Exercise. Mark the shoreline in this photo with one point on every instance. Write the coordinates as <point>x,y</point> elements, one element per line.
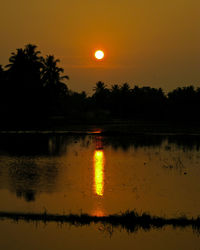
<point>131,221</point>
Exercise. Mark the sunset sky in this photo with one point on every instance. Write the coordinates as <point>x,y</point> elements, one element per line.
<point>146,42</point>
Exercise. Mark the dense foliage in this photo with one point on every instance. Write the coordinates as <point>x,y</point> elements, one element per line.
<point>33,88</point>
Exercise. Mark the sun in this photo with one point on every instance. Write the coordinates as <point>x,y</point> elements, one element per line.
<point>99,54</point>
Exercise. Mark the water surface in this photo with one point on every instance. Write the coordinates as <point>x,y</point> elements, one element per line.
<point>98,175</point>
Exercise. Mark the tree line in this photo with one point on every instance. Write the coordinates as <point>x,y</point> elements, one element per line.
<point>33,87</point>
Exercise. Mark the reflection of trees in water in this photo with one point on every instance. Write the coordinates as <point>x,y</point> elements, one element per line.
<point>186,142</point>
<point>34,167</point>
<point>28,177</point>
<point>24,178</point>
<point>136,141</point>
<point>57,144</point>
<point>124,142</point>
<point>34,144</point>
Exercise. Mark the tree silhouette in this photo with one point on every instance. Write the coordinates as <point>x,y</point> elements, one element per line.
<point>101,96</point>
<point>34,85</point>
<point>184,102</point>
<point>100,87</point>
<point>33,88</point>
<point>25,65</point>
<point>51,73</point>
<point>24,80</point>
<point>54,88</point>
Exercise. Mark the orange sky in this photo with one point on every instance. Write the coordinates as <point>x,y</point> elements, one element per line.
<point>155,43</point>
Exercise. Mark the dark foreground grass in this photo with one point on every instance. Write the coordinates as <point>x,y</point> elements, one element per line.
<point>131,221</point>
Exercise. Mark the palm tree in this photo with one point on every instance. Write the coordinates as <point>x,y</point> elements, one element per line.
<point>115,88</point>
<point>31,53</point>
<point>24,80</point>
<point>17,61</point>
<point>51,75</point>
<point>100,87</point>
<point>101,95</point>
<point>23,56</point>
<point>55,89</point>
<point>125,88</point>
<point>25,67</point>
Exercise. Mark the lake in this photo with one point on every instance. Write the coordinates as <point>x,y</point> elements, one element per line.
<point>99,175</point>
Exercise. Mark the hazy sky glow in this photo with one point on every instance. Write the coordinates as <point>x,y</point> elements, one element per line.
<point>155,43</point>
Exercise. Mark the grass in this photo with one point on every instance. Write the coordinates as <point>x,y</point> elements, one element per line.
<point>131,221</point>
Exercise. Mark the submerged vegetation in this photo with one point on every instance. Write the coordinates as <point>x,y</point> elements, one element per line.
<point>33,89</point>
<point>131,221</point>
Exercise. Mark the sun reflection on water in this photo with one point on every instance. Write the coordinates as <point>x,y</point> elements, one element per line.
<point>99,172</point>
<point>98,212</point>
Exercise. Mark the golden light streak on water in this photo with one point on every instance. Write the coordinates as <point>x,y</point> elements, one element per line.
<point>98,212</point>
<point>99,172</point>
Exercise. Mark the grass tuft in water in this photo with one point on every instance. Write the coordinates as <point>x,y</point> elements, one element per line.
<point>131,221</point>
